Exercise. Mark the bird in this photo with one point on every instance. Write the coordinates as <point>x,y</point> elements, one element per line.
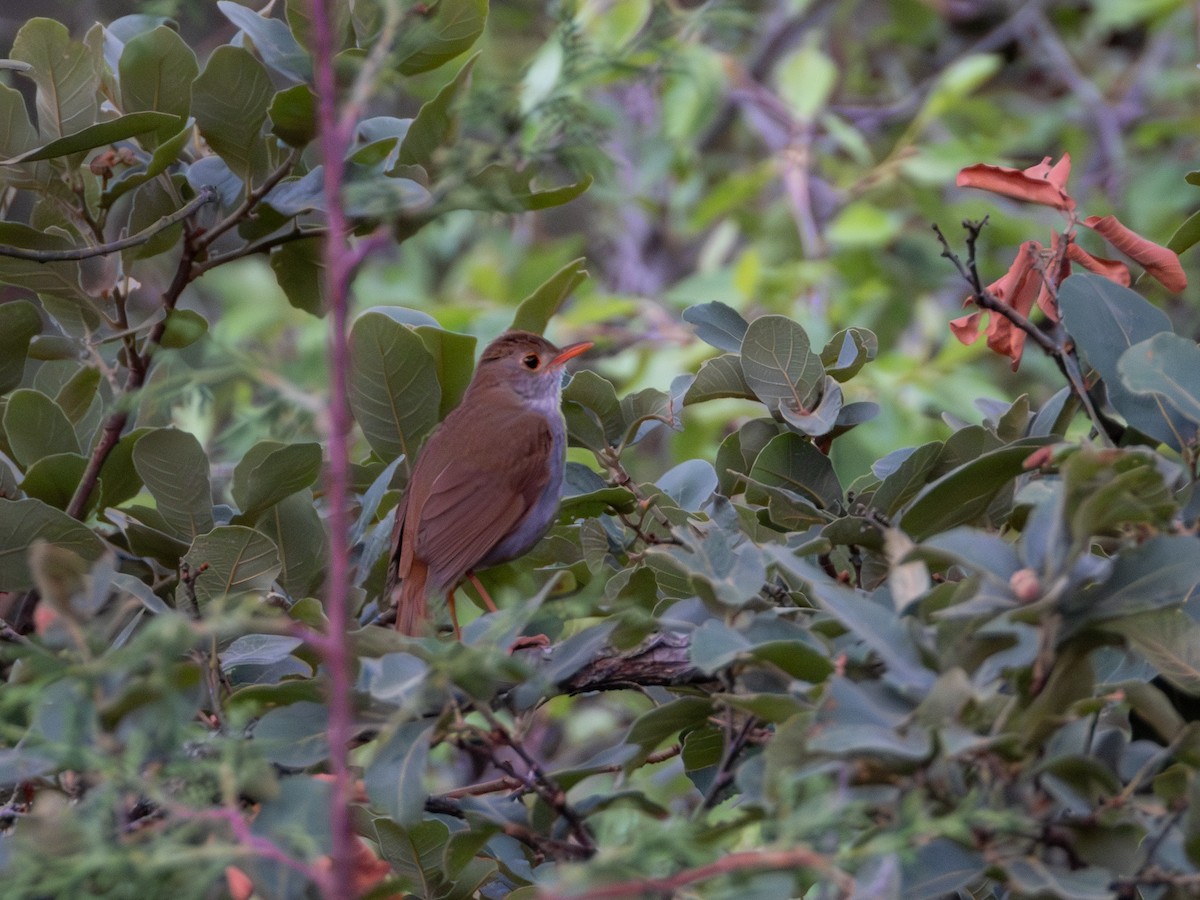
<point>486,485</point>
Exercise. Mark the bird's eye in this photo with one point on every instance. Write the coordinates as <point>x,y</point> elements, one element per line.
<point>531,361</point>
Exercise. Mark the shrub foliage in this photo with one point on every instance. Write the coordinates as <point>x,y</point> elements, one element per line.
<point>965,671</point>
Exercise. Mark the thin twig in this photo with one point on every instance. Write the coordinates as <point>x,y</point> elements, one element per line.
<point>547,847</point>
<point>248,203</point>
<point>1057,349</point>
<point>206,195</point>
<point>541,782</point>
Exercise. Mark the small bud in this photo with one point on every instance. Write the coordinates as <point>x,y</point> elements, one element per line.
<point>1025,585</point>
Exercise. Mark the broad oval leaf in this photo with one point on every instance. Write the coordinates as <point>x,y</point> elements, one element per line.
<point>790,462</point>
<point>157,69</point>
<point>779,365</point>
<point>1167,367</point>
<point>67,75</point>
<point>271,471</point>
<point>230,100</point>
<point>394,389</point>
<point>19,324</point>
<point>24,521</point>
<point>1106,319</point>
<point>717,324</point>
<point>237,560</point>
<point>718,378</point>
<point>447,28</point>
<point>538,308</point>
<point>36,426</point>
<point>174,468</point>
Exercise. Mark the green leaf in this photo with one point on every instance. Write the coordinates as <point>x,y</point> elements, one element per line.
<point>168,152</point>
<point>157,69</point>
<point>119,480</point>
<point>822,418</point>
<point>415,853</point>
<point>848,351</point>
<point>395,777</point>
<point>230,99</point>
<point>273,40</point>
<point>271,471</point>
<point>498,188</point>
<point>453,356</point>
<point>964,494</point>
<point>779,365</point>
<point>101,135</point>
<point>57,279</point>
<point>35,427</point>
<point>19,324</point>
<point>717,324</point>
<point>1170,641</point>
<point>24,521</point>
<point>538,308</point>
<point>719,377</point>
<point>299,268</point>
<point>293,114</point>
<point>174,468</point>
<point>806,78</point>
<point>17,133</point>
<point>794,464</point>
<point>183,328</point>
<point>53,479</point>
<point>444,30</point>
<point>652,728</point>
<point>1186,235</point>
<point>239,561</point>
<point>1165,368</point>
<point>903,484</point>
<point>293,735</point>
<point>296,528</point>
<point>1106,319</point>
<point>435,125</point>
<point>594,416</point>
<point>67,75</point>
<point>394,390</point>
<point>1164,571</point>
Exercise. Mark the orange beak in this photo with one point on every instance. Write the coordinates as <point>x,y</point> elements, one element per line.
<point>571,352</point>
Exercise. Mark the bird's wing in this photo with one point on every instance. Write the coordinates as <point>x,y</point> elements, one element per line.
<point>479,495</point>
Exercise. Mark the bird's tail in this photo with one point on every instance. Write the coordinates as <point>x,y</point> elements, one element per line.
<point>412,606</point>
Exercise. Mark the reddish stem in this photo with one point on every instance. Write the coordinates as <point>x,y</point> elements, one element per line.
<point>339,265</point>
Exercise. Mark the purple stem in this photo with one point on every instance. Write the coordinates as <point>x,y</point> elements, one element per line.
<point>339,264</point>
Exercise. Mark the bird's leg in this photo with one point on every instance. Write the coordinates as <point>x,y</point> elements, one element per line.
<point>487,599</point>
<point>453,614</point>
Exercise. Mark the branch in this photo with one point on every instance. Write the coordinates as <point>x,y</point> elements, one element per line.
<point>1063,355</point>
<point>548,847</point>
<point>746,861</point>
<point>206,195</point>
<point>248,202</point>
<point>661,660</point>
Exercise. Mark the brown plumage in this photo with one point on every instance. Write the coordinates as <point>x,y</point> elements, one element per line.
<point>485,486</point>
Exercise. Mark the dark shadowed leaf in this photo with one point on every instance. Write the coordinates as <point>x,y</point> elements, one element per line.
<point>964,494</point>
<point>293,114</point>
<point>53,479</point>
<point>271,471</point>
<point>174,468</point>
<point>19,323</point>
<point>790,462</point>
<point>821,419</point>
<point>300,270</point>
<point>940,868</point>
<point>1170,641</point>
<point>652,728</point>
<point>1106,319</point>
<point>415,853</point>
<point>101,135</point>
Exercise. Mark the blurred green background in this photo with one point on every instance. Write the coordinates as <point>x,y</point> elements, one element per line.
<point>777,156</point>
